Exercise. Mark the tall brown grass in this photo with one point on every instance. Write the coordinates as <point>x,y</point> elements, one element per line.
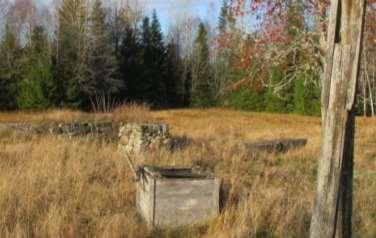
<point>60,187</point>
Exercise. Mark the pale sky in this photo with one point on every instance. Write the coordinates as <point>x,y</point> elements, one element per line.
<point>170,10</point>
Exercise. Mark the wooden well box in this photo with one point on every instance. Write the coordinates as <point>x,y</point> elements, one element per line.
<point>176,197</point>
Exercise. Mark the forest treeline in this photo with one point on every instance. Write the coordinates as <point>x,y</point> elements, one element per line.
<point>92,55</point>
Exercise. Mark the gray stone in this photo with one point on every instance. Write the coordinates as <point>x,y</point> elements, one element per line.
<point>134,138</point>
<point>103,130</point>
<point>176,197</point>
<point>19,126</point>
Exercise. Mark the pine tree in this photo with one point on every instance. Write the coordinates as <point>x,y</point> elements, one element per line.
<point>152,80</point>
<point>158,63</point>
<point>10,53</point>
<point>37,87</point>
<point>132,67</point>
<point>223,18</point>
<point>175,88</point>
<point>146,78</point>
<point>101,59</point>
<point>202,95</point>
<point>157,36</point>
<point>145,32</point>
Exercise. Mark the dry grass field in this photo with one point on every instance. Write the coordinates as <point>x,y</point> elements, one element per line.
<point>59,187</point>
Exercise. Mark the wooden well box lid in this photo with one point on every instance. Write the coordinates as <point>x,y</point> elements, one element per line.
<point>172,197</point>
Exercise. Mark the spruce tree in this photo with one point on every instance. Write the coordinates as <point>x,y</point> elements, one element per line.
<point>102,64</point>
<point>153,76</point>
<point>158,63</point>
<point>10,53</point>
<point>223,18</point>
<point>157,37</point>
<point>132,66</point>
<point>175,87</point>
<point>37,87</point>
<point>146,78</point>
<point>202,95</point>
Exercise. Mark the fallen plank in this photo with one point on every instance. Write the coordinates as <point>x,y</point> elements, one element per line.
<point>274,146</point>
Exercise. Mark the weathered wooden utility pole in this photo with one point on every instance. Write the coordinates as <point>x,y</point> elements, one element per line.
<point>333,203</point>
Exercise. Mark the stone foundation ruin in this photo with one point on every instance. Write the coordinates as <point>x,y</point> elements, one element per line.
<point>102,130</point>
<point>132,137</point>
<point>135,138</point>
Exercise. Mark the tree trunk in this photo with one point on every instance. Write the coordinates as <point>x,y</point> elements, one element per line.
<point>333,203</point>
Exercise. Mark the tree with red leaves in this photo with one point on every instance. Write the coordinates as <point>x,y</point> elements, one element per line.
<point>342,50</point>
<point>284,39</point>
<point>299,49</point>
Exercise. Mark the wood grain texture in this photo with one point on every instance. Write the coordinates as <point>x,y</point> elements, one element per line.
<point>165,202</point>
<point>333,203</point>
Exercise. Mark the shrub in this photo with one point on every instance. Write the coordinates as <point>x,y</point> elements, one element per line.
<point>246,99</point>
<point>306,97</point>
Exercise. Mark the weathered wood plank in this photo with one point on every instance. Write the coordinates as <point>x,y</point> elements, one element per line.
<point>168,200</point>
<point>274,146</point>
<point>330,47</point>
<point>333,203</point>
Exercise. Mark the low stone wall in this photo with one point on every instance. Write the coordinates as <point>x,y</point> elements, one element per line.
<point>135,138</point>
<point>16,126</point>
<point>105,130</point>
<point>131,137</point>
